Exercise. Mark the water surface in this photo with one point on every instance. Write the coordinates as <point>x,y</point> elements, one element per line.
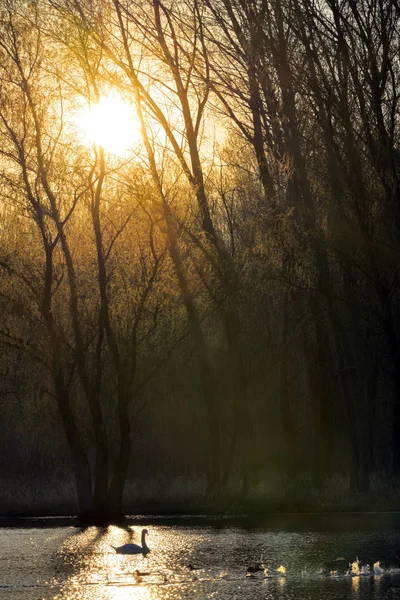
<point>68,562</point>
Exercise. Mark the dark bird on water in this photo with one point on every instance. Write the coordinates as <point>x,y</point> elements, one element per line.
<point>138,573</point>
<point>255,568</point>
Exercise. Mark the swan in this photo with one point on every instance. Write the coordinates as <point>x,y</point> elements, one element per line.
<point>134,548</point>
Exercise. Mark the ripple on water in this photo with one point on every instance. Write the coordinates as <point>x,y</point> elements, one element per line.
<point>70,564</point>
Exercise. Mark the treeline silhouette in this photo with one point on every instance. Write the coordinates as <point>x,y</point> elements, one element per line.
<point>223,302</point>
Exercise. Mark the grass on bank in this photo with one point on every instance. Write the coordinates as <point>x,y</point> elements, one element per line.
<point>275,492</point>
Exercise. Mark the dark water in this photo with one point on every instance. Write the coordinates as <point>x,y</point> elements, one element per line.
<point>69,563</point>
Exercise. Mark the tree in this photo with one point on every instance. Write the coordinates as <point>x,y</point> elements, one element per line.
<point>75,297</point>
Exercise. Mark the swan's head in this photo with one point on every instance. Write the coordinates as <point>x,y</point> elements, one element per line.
<point>144,532</point>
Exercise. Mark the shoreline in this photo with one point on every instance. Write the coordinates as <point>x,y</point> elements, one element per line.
<point>297,520</point>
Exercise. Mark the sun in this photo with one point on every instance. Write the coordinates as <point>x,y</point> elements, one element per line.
<point>110,123</point>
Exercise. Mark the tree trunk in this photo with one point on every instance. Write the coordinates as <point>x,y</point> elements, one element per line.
<point>79,458</point>
<point>117,485</point>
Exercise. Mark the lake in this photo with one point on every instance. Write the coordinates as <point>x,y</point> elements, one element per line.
<point>52,558</point>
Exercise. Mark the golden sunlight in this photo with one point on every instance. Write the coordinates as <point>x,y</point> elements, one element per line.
<point>111,123</point>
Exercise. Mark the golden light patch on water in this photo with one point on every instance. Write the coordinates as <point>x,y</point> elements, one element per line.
<point>130,593</point>
<point>79,540</point>
<point>355,585</point>
<point>97,571</point>
<point>282,581</point>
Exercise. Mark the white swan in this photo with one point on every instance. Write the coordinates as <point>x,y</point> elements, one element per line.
<point>134,548</point>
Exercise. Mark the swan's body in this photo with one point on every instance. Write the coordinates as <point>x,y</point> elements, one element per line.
<point>134,548</point>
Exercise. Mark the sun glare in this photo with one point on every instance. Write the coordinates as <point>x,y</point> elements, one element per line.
<point>110,123</point>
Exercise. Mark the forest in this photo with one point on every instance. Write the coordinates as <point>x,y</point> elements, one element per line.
<point>199,251</point>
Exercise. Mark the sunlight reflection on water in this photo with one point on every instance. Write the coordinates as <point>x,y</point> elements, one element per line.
<point>74,564</point>
<point>94,564</point>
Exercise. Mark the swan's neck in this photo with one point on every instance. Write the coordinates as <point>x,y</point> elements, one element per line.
<point>144,545</point>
